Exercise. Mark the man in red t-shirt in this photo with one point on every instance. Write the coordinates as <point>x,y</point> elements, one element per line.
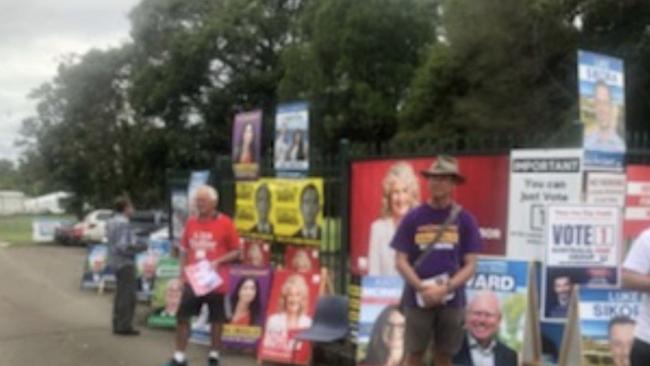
<point>211,236</point>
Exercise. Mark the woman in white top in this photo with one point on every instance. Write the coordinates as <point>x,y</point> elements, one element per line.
<point>400,193</point>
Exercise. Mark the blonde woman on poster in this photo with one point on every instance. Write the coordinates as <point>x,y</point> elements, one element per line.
<point>400,193</point>
<point>292,317</point>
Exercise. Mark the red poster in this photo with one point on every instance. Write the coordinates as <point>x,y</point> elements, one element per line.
<point>637,201</point>
<point>302,259</point>
<point>291,309</point>
<point>257,252</point>
<point>380,188</point>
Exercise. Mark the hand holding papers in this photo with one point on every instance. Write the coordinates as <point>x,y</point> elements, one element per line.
<point>202,277</point>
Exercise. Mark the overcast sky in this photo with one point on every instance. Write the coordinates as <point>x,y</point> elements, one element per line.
<point>34,34</point>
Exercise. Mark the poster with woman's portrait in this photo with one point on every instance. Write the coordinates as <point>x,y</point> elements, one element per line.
<point>248,294</point>
<point>246,144</point>
<point>380,335</point>
<point>302,259</point>
<point>291,147</point>
<point>383,191</point>
<point>291,309</point>
<point>97,270</point>
<point>256,253</point>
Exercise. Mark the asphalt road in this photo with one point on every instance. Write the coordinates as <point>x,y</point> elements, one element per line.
<point>45,319</point>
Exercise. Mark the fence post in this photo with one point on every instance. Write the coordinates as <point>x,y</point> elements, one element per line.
<point>344,166</point>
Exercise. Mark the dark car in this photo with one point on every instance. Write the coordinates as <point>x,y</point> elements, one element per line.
<point>145,222</point>
<point>68,234</point>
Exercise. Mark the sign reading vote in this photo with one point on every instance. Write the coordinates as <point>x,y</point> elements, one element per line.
<point>583,235</point>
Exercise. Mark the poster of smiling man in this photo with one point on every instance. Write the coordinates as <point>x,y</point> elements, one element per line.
<point>602,110</point>
<point>298,210</point>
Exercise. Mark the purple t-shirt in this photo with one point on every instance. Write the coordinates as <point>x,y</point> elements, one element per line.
<point>419,227</point>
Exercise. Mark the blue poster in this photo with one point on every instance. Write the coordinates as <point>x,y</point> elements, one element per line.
<point>607,325</point>
<point>602,110</point>
<point>291,146</point>
<point>499,288</point>
<point>97,270</point>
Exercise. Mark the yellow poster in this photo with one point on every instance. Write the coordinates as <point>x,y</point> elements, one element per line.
<point>253,218</point>
<point>297,210</point>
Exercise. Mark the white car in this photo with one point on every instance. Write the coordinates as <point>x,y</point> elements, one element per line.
<point>93,226</point>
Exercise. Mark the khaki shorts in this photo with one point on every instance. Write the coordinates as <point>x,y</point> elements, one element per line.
<point>442,325</point>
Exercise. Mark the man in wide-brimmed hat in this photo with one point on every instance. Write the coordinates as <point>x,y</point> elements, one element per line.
<point>434,297</point>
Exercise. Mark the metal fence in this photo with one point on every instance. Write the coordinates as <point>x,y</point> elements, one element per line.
<point>334,168</point>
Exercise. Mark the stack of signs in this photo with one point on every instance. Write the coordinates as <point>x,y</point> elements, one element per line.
<point>197,179</point>
<point>380,329</point>
<point>583,248</point>
<point>637,202</point>
<point>291,309</point>
<point>246,144</point>
<point>146,264</point>
<point>539,178</point>
<point>600,327</point>
<point>98,273</point>
<point>43,228</point>
<point>167,293</point>
<point>254,201</point>
<point>501,303</point>
<point>602,108</point>
<point>291,147</point>
<point>180,212</point>
<point>301,259</point>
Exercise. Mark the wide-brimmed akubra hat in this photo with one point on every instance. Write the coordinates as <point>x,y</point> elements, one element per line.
<point>444,165</point>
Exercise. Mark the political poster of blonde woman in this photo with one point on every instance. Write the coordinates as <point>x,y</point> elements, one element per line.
<point>291,309</point>
<point>400,193</point>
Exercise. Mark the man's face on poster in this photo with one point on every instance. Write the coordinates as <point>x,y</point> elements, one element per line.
<point>263,203</point>
<point>149,266</point>
<point>483,317</point>
<point>603,107</point>
<point>562,289</point>
<point>309,206</point>
<point>621,337</point>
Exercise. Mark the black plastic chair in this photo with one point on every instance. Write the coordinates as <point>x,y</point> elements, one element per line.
<point>329,330</point>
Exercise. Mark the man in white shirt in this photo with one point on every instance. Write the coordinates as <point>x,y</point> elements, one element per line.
<point>636,276</point>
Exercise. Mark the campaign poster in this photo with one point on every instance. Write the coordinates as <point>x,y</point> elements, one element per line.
<point>606,188</point>
<point>602,110</point>
<point>180,212</point>
<point>146,264</point>
<point>607,325</point>
<point>248,295</point>
<point>291,146</point>
<point>297,207</point>
<point>254,208</point>
<point>166,298</point>
<point>246,144</point>
<point>290,310</point>
<point>583,249</point>
<point>197,179</point>
<point>43,228</point>
<point>302,259</point>
<point>256,252</point>
<point>383,191</point>
<point>97,269</point>
<point>539,178</point>
<point>380,334</point>
<point>637,202</point>
<point>499,287</point>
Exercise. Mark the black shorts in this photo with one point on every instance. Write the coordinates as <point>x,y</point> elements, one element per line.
<point>191,305</point>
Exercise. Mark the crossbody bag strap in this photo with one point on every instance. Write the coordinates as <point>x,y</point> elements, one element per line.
<point>455,210</point>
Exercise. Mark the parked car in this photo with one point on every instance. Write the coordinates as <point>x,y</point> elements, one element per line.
<point>93,226</point>
<point>68,234</point>
<point>146,222</point>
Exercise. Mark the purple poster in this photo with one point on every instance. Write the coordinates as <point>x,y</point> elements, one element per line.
<point>246,144</point>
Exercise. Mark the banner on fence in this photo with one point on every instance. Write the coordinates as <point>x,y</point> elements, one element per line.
<point>246,144</point>
<point>291,147</point>
<point>297,206</point>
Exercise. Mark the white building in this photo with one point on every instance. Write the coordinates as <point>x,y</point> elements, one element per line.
<point>48,203</point>
<point>12,202</point>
